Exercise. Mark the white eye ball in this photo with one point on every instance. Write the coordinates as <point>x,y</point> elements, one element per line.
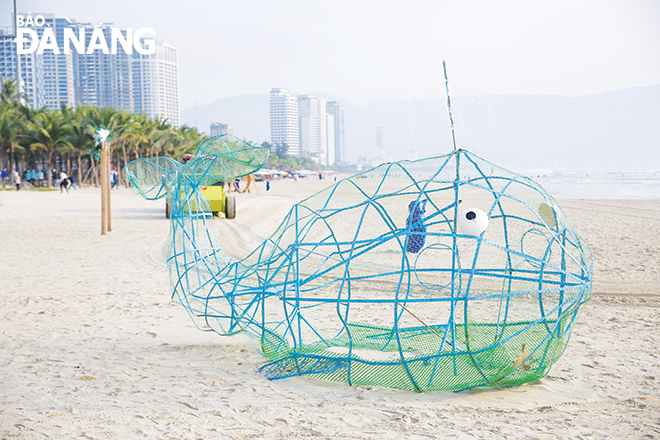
<point>472,221</point>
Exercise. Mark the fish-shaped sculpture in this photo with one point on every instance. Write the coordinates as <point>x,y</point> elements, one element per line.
<point>372,282</point>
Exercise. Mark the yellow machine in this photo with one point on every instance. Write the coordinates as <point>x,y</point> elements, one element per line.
<point>218,201</point>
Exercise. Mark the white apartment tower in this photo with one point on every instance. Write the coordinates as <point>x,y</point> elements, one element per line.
<point>103,80</point>
<point>30,68</point>
<point>129,81</point>
<point>156,83</point>
<point>312,128</point>
<point>330,138</point>
<point>56,71</point>
<point>336,148</point>
<point>284,120</point>
<point>46,78</point>
<point>59,78</point>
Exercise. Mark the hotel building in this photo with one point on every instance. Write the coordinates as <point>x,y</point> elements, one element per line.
<point>103,80</point>
<point>30,69</point>
<point>126,80</point>
<point>156,83</point>
<point>336,147</point>
<point>308,125</point>
<point>284,120</point>
<point>312,122</point>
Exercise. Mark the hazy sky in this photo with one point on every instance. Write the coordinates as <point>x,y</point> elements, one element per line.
<point>365,51</point>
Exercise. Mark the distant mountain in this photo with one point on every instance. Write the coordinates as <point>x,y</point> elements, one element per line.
<point>249,114</point>
<point>613,129</point>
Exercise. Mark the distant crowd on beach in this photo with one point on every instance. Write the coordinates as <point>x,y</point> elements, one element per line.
<point>38,179</point>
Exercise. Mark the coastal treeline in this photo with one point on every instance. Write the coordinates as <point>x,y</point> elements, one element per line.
<point>279,159</point>
<point>63,140</point>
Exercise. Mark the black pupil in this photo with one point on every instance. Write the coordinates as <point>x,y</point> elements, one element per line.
<point>470,215</point>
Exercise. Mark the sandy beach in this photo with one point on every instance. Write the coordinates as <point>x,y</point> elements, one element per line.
<point>92,347</point>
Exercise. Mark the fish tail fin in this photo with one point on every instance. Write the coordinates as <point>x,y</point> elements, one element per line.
<point>224,158</point>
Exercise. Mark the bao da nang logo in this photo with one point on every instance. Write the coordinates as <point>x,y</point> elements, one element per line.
<point>34,34</point>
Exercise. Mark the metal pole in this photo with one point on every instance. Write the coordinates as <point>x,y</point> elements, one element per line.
<point>18,59</point>
<point>108,188</point>
<point>451,120</point>
<point>104,184</point>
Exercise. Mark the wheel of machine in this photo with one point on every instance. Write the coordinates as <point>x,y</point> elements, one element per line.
<point>167,210</point>
<point>230,207</point>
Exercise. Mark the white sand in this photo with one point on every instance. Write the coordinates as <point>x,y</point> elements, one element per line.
<point>92,347</point>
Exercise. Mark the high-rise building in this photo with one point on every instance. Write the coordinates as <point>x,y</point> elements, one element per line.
<point>338,148</point>
<point>123,80</point>
<point>379,150</point>
<point>312,128</point>
<point>156,83</point>
<point>330,138</point>
<point>30,69</point>
<point>57,68</point>
<point>284,120</point>
<point>55,83</point>
<point>63,92</point>
<point>103,80</point>
<point>218,129</point>
<point>7,54</point>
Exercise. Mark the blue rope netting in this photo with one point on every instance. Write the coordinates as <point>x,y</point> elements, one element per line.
<point>443,273</point>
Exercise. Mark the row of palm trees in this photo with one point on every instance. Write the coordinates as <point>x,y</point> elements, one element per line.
<point>64,139</point>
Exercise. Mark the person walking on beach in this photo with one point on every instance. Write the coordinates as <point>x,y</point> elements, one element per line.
<point>64,181</point>
<point>115,179</point>
<point>72,182</point>
<point>40,178</point>
<point>4,176</point>
<point>17,180</point>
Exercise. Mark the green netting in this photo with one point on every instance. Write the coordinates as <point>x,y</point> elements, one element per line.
<point>444,273</point>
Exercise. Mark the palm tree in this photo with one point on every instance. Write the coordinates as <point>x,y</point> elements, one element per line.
<point>69,132</point>
<point>128,128</point>
<point>10,124</point>
<point>103,117</point>
<point>49,131</point>
<point>9,93</point>
<point>137,134</point>
<point>190,139</point>
<point>110,119</point>
<point>82,137</point>
<point>12,120</point>
<point>159,134</point>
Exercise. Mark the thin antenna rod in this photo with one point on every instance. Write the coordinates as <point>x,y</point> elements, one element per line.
<point>453,136</point>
